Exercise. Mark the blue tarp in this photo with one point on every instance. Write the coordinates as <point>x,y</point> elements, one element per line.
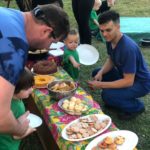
<point>136,27</point>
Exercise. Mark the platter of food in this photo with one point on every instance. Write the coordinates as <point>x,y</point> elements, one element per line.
<point>86,127</point>
<point>41,81</point>
<point>62,88</point>
<point>73,105</point>
<point>44,67</point>
<point>33,72</point>
<point>39,51</point>
<point>119,140</point>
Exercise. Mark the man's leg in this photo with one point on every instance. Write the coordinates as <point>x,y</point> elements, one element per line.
<point>125,99</point>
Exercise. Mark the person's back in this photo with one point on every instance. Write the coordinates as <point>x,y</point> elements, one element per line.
<point>123,56</point>
<point>12,35</point>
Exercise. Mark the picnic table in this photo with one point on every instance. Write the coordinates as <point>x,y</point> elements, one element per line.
<point>55,119</point>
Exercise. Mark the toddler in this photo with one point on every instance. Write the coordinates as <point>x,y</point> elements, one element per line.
<point>71,58</point>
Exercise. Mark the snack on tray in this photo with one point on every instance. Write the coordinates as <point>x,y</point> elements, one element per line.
<point>63,87</point>
<point>119,140</point>
<point>43,80</point>
<point>38,51</point>
<point>85,127</point>
<point>110,143</point>
<point>74,106</point>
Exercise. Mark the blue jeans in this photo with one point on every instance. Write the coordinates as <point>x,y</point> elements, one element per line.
<point>125,99</point>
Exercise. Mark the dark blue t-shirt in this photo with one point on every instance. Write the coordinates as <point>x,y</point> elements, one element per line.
<point>13,44</point>
<point>128,58</point>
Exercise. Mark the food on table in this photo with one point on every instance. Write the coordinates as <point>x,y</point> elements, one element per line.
<point>45,67</point>
<point>74,106</point>
<point>108,140</point>
<point>63,87</point>
<point>38,51</point>
<point>43,80</point>
<point>119,140</point>
<point>110,143</point>
<point>86,127</point>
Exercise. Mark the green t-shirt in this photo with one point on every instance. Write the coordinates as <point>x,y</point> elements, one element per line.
<point>93,16</point>
<point>6,140</point>
<point>67,65</point>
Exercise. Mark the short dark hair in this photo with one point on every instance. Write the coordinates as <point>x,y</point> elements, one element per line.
<point>54,16</point>
<point>108,16</point>
<point>25,81</point>
<point>73,32</point>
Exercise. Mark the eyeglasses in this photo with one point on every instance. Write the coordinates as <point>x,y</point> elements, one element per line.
<point>40,15</point>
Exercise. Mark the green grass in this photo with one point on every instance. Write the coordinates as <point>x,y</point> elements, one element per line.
<point>140,125</point>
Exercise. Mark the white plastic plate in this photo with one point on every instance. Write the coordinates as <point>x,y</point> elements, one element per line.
<point>57,52</point>
<point>35,121</point>
<point>131,140</point>
<point>56,45</point>
<point>88,55</point>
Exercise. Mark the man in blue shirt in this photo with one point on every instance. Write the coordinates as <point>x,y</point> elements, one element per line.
<point>125,76</point>
<point>19,31</point>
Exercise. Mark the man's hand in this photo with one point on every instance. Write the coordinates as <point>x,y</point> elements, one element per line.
<point>28,131</point>
<point>24,123</point>
<point>94,84</point>
<point>98,76</point>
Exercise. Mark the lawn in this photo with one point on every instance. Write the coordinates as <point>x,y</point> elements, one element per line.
<point>140,125</point>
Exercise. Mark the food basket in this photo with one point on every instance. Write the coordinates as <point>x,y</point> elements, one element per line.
<point>61,89</point>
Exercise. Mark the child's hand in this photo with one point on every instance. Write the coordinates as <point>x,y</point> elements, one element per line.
<point>74,62</point>
<point>29,131</point>
<point>76,65</point>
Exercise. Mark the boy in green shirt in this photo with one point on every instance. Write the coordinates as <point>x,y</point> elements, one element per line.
<point>22,90</point>
<point>71,58</point>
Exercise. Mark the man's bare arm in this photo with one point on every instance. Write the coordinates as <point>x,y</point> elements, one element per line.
<point>8,123</point>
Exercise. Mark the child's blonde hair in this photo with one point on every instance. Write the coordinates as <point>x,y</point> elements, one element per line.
<point>97,4</point>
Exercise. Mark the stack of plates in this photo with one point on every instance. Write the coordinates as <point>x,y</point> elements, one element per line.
<point>56,49</point>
